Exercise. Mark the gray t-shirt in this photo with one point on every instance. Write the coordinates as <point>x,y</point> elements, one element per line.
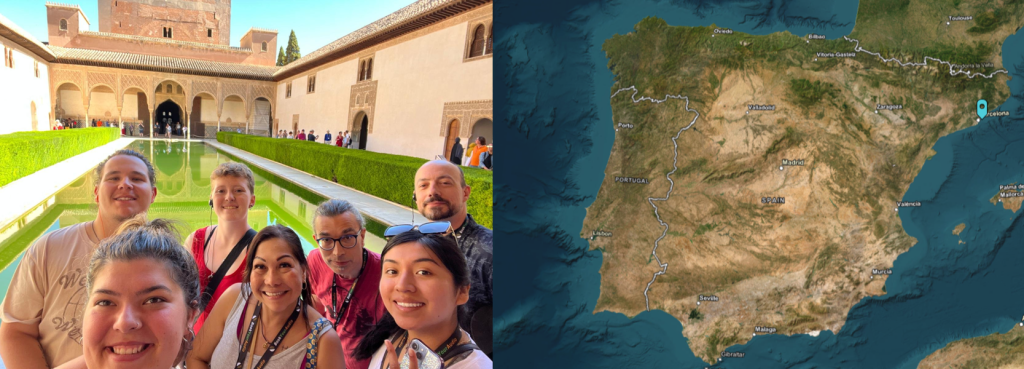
<point>48,289</point>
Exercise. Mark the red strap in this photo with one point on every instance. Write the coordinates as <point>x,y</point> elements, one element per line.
<point>245,309</point>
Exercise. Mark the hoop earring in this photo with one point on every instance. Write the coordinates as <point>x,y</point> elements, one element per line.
<point>187,342</point>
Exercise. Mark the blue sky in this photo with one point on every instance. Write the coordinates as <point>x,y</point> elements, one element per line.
<point>316,23</point>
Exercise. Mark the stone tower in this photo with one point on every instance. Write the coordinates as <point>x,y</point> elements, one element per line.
<point>181,20</point>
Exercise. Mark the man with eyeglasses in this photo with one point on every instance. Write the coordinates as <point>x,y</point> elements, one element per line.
<point>345,277</point>
<point>440,194</point>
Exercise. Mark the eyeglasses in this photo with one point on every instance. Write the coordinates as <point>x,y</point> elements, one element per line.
<point>346,241</point>
<point>426,228</point>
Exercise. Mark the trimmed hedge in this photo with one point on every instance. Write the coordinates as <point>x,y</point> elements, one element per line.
<point>386,176</point>
<point>24,153</point>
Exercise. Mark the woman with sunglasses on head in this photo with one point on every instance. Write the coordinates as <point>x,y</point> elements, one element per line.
<point>219,250</point>
<point>268,322</point>
<point>143,295</point>
<point>424,281</point>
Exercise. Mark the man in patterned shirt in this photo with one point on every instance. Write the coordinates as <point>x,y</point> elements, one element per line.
<point>441,194</point>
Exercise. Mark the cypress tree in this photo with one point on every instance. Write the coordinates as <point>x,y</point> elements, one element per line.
<point>292,52</point>
<point>280,57</point>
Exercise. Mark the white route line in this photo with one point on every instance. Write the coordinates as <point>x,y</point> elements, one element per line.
<point>926,58</point>
<point>664,266</point>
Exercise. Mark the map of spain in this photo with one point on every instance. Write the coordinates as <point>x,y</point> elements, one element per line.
<point>804,187</point>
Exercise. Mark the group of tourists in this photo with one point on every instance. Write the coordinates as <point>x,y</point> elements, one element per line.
<point>66,123</point>
<point>478,154</point>
<point>127,128</point>
<point>341,140</point>
<point>120,290</point>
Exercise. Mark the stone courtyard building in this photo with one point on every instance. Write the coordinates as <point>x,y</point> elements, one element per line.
<point>407,84</point>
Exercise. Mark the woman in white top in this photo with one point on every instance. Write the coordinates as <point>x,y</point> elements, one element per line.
<point>143,293</point>
<point>424,282</point>
<point>268,322</point>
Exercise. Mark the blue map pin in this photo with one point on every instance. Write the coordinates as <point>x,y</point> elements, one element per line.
<point>982,108</point>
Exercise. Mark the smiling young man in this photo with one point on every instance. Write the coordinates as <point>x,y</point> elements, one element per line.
<point>441,194</point>
<point>42,312</point>
<point>344,276</point>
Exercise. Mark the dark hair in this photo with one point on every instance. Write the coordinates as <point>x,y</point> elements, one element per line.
<point>158,240</point>
<point>447,250</point>
<point>483,141</point>
<point>292,240</point>
<point>126,152</point>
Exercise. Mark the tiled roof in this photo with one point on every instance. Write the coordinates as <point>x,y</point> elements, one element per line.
<point>258,29</point>
<point>12,32</point>
<point>69,6</point>
<point>159,40</point>
<point>417,15</point>
<point>161,64</point>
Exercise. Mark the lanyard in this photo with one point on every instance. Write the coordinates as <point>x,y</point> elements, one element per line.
<point>273,345</point>
<point>334,294</point>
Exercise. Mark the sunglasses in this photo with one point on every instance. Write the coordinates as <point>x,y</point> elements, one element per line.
<point>425,228</point>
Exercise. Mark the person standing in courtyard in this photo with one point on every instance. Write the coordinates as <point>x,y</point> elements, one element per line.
<point>468,154</point>
<point>456,153</point>
<point>301,136</point>
<point>441,194</point>
<point>327,137</point>
<point>486,162</point>
<point>219,250</point>
<point>311,137</point>
<point>41,318</point>
<point>480,148</point>
<point>343,276</point>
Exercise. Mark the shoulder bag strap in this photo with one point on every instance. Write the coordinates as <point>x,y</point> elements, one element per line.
<point>211,287</point>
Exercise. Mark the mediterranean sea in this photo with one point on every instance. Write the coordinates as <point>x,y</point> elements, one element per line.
<point>552,91</point>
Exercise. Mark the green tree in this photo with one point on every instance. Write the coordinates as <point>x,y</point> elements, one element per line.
<point>292,52</point>
<point>280,57</point>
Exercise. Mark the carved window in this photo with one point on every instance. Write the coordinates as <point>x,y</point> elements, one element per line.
<point>264,47</point>
<point>35,64</point>
<point>209,33</point>
<point>311,84</point>
<point>365,70</point>
<point>477,45</point>
<point>63,25</point>
<point>489,48</point>
<point>288,90</point>
<point>168,32</point>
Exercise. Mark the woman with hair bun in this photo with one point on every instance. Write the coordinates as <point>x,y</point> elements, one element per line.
<point>143,291</point>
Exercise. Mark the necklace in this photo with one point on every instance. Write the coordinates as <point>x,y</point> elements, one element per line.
<point>266,342</point>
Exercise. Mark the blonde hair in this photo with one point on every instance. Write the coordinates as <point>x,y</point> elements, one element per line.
<point>237,170</point>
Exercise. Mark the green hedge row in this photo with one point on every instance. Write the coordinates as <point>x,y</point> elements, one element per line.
<point>24,153</point>
<point>383,175</point>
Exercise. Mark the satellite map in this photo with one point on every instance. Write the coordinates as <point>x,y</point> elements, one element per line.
<point>764,184</point>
